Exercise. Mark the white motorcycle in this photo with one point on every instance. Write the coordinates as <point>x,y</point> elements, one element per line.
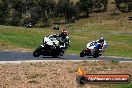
<point>50,47</point>
<point>93,50</point>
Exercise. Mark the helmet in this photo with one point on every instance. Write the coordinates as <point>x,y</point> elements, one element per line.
<point>101,40</point>
<point>64,32</point>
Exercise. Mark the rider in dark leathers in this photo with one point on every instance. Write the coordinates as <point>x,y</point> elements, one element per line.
<point>64,39</point>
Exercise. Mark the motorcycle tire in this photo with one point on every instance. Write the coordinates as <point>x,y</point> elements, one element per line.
<point>54,56</point>
<point>96,53</point>
<point>95,56</point>
<point>82,54</point>
<point>61,53</point>
<point>37,52</point>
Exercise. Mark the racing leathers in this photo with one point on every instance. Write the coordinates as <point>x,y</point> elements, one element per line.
<point>64,41</point>
<point>103,44</point>
<point>95,45</point>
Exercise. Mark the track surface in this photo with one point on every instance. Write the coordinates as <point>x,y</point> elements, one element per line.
<point>24,56</point>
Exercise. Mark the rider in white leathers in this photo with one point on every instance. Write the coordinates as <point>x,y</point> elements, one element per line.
<point>63,39</point>
<point>92,45</point>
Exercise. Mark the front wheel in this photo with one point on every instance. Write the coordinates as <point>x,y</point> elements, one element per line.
<point>37,52</point>
<point>82,54</point>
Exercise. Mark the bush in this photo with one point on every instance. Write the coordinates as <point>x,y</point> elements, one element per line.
<point>85,6</point>
<point>14,19</point>
<point>130,7</point>
<point>68,10</point>
<point>123,6</point>
<point>4,10</point>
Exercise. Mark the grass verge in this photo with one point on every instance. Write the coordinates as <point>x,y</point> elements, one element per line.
<point>116,30</point>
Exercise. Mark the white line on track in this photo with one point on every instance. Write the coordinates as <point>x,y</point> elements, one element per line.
<point>35,61</point>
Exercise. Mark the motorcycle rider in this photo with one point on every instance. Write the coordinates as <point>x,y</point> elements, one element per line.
<point>64,39</point>
<point>56,27</point>
<point>103,44</point>
<point>98,45</point>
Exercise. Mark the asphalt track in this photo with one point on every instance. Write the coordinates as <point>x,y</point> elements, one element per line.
<point>27,56</point>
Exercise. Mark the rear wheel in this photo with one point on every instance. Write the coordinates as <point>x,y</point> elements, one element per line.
<point>62,53</point>
<point>95,56</point>
<point>55,55</point>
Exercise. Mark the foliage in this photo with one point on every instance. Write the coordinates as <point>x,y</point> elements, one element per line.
<point>100,5</point>
<point>19,12</point>
<point>85,6</point>
<point>67,9</point>
<point>47,8</point>
<point>130,6</point>
<point>124,5</point>
<point>4,10</point>
<point>17,8</point>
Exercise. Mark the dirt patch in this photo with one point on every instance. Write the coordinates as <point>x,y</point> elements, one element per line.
<point>55,74</point>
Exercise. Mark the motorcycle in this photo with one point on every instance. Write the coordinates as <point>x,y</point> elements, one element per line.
<point>29,25</point>
<point>95,52</point>
<point>56,27</point>
<point>49,47</point>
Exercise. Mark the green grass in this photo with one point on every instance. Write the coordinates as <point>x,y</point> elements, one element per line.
<point>116,30</point>
<point>125,85</point>
<point>22,37</point>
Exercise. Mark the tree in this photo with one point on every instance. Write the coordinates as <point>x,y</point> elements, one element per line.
<point>130,6</point>
<point>30,3</point>
<point>62,5</point>
<point>18,5</point>
<point>35,15</point>
<point>85,6</point>
<point>15,18</point>
<point>72,13</point>
<point>17,9</point>
<point>124,5</point>
<point>100,5</point>
<point>67,9</point>
<point>104,3</point>
<point>46,8</point>
<point>4,11</point>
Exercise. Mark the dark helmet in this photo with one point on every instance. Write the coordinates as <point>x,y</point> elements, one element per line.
<point>64,32</point>
<point>101,40</point>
